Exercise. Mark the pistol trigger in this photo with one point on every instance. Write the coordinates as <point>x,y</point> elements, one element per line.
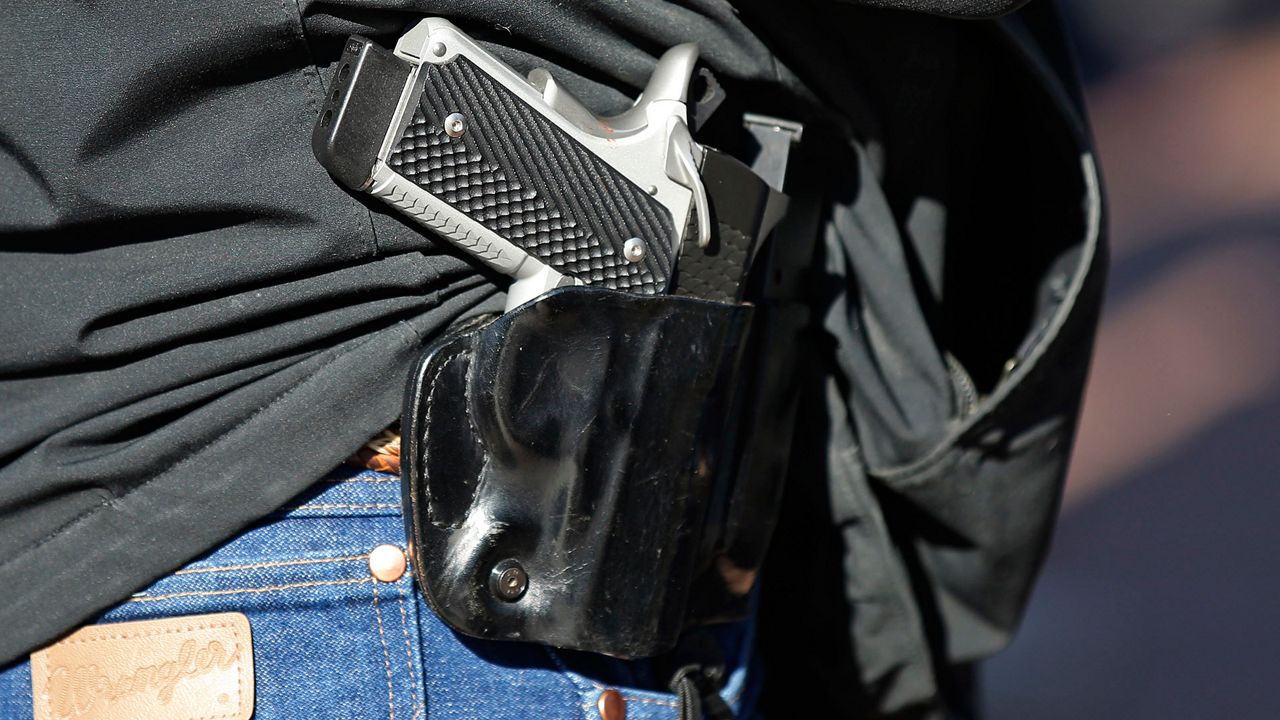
<point>684,159</point>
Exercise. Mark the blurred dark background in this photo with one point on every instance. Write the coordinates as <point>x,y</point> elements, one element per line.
<point>1161,596</point>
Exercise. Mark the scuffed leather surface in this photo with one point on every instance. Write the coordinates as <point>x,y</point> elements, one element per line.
<point>579,435</point>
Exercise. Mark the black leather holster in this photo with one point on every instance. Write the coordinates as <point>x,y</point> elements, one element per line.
<point>597,470</point>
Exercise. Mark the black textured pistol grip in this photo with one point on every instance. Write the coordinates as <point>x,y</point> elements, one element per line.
<point>518,174</point>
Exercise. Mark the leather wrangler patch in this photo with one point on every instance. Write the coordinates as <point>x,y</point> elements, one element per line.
<point>197,667</point>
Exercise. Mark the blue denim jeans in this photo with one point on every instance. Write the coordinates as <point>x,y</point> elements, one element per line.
<point>329,641</point>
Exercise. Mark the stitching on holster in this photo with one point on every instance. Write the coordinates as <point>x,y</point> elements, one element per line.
<point>408,656</point>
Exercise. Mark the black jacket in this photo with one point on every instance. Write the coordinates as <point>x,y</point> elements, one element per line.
<point>200,322</point>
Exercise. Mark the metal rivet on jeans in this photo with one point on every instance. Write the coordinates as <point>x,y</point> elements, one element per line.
<point>611,705</point>
<point>508,580</point>
<point>387,563</point>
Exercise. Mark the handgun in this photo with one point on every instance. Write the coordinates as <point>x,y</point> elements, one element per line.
<point>514,170</point>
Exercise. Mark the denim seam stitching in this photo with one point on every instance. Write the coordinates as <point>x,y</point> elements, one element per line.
<point>733,698</point>
<point>577,679</point>
<point>246,591</point>
<point>386,655</point>
<point>630,698</point>
<point>408,657</point>
<point>341,506</point>
<point>272,564</point>
<point>147,633</point>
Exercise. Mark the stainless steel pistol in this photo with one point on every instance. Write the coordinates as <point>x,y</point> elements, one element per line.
<point>515,170</point>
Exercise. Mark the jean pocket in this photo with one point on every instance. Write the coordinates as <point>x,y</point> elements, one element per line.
<point>329,640</point>
<point>740,690</point>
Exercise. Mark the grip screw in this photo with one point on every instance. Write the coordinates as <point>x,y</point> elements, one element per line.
<point>455,125</point>
<point>633,250</point>
<point>508,580</point>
